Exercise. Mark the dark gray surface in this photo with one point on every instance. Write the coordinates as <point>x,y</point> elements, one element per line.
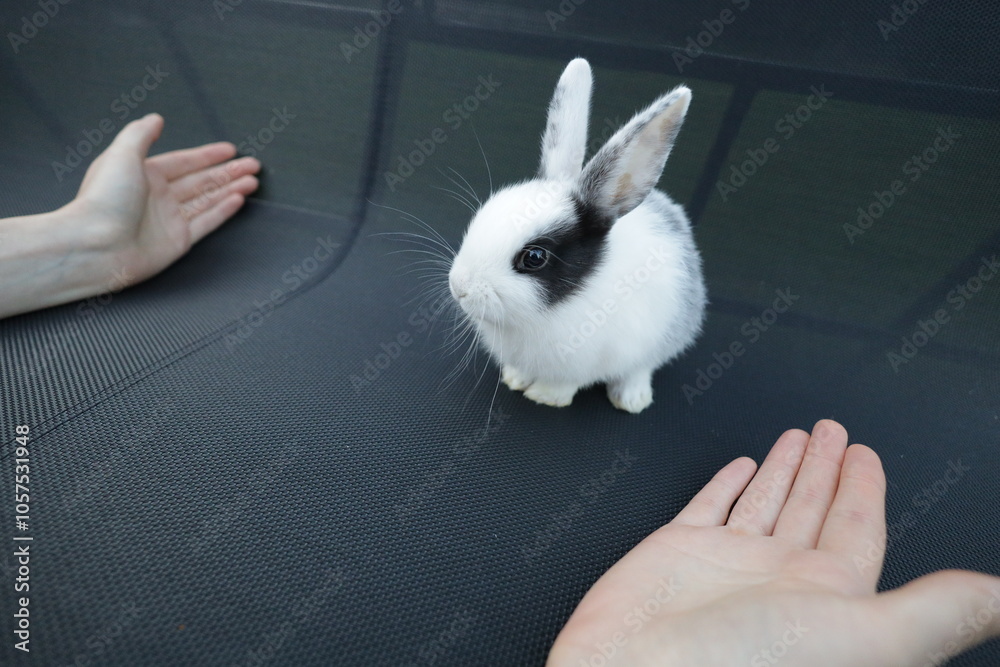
<point>204,499</point>
<point>232,482</point>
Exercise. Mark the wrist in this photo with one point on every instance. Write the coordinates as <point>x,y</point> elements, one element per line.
<point>53,258</point>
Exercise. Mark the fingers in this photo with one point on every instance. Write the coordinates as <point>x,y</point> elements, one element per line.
<point>139,135</point>
<point>205,182</point>
<point>209,220</point>
<point>940,615</point>
<point>855,525</point>
<point>758,508</point>
<point>711,505</point>
<point>194,208</point>
<point>175,164</point>
<point>208,193</point>
<point>815,486</point>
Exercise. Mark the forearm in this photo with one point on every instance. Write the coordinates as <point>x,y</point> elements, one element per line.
<point>50,259</point>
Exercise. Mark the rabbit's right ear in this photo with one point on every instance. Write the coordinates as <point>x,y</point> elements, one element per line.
<point>565,140</point>
<point>622,174</point>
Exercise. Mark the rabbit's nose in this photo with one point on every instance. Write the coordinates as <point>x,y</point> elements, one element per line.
<point>458,290</point>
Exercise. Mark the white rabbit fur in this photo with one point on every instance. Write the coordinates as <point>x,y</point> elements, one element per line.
<point>619,292</point>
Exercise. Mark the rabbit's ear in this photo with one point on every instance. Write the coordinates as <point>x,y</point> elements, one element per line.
<point>565,140</point>
<point>620,176</point>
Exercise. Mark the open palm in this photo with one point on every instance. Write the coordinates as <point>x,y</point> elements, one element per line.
<point>786,574</point>
<point>149,211</point>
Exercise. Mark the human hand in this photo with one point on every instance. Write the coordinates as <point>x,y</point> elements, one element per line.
<point>133,216</point>
<point>788,575</point>
<point>148,212</point>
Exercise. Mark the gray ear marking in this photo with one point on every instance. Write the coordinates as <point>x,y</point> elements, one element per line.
<point>565,140</point>
<point>624,171</point>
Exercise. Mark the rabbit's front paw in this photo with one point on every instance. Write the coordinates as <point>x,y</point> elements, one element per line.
<point>514,379</point>
<point>633,394</point>
<point>556,395</point>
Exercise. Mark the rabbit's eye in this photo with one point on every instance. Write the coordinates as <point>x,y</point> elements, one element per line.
<point>532,258</point>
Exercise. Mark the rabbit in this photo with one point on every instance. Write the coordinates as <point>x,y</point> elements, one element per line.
<point>585,274</point>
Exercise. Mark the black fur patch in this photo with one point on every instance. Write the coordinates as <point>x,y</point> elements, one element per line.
<point>575,253</point>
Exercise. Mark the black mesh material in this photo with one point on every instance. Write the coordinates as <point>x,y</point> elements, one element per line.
<point>219,478</point>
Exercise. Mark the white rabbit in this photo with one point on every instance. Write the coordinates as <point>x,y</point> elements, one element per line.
<point>585,274</point>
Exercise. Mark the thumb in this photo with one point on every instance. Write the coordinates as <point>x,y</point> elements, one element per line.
<point>943,614</point>
<point>139,135</point>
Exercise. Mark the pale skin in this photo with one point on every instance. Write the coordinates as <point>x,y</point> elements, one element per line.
<point>787,577</point>
<point>132,217</point>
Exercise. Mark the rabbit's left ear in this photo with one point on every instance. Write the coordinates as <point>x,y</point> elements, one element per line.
<point>621,175</point>
<point>565,140</point>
